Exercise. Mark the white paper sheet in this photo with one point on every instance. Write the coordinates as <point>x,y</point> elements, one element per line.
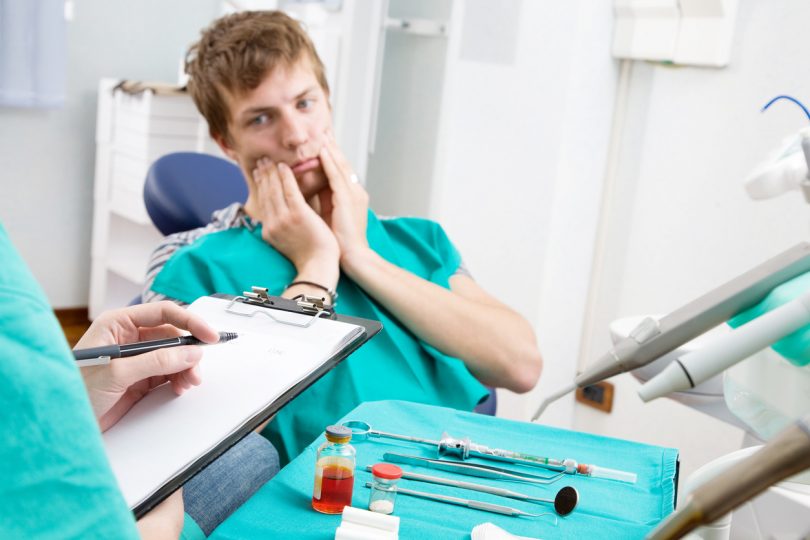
<point>163,434</point>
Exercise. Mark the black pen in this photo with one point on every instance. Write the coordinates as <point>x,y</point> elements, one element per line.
<point>102,355</point>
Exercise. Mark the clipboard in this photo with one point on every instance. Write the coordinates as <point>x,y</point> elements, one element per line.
<point>165,440</point>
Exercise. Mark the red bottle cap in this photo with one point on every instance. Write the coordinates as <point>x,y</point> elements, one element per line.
<point>387,471</point>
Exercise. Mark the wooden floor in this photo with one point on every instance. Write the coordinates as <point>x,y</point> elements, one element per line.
<point>74,323</point>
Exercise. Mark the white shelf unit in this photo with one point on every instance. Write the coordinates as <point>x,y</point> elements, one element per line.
<point>132,131</point>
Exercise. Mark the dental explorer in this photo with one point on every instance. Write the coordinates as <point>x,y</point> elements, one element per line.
<point>469,503</point>
<point>564,502</point>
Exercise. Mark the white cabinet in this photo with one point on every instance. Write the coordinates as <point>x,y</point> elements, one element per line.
<point>132,131</point>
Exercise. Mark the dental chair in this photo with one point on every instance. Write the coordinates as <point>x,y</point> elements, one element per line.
<point>183,189</point>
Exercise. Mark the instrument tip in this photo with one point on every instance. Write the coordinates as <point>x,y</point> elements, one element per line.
<point>551,399</point>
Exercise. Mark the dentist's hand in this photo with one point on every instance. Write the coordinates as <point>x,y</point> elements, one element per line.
<point>165,521</point>
<point>114,388</point>
<point>291,226</point>
<point>346,211</point>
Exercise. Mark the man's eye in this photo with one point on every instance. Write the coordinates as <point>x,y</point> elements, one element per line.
<point>305,103</point>
<point>260,120</point>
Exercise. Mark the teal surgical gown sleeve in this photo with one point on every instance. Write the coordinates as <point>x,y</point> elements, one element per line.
<point>55,481</point>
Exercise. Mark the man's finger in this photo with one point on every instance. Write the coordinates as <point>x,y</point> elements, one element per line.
<point>342,163</point>
<point>271,186</point>
<point>292,192</point>
<point>333,174</point>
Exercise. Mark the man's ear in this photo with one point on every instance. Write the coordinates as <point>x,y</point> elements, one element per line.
<point>225,146</point>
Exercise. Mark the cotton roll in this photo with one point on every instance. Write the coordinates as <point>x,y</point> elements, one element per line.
<point>352,531</point>
<point>371,519</point>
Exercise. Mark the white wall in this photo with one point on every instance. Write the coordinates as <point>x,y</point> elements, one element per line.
<point>519,181</point>
<point>682,223</point>
<point>47,156</point>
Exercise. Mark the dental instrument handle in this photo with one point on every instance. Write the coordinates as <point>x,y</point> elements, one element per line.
<point>382,434</point>
<point>467,485</point>
<point>652,339</point>
<point>783,456</point>
<point>568,466</point>
<point>523,459</point>
<point>692,369</point>
<point>497,508</point>
<point>478,505</point>
<point>469,469</point>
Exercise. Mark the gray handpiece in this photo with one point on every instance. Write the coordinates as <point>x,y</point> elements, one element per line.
<point>652,339</point>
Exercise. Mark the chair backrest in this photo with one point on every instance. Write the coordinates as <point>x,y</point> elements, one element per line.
<point>183,189</point>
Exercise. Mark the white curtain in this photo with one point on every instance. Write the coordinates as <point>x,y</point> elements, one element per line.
<point>33,53</point>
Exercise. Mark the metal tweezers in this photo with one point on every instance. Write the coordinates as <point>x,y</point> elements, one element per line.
<point>471,469</point>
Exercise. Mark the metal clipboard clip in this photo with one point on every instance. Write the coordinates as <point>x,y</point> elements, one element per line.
<point>265,304</point>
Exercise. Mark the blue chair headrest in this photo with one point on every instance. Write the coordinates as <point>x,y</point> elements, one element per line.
<point>184,188</point>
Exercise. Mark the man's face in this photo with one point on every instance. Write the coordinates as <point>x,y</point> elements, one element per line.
<point>285,119</point>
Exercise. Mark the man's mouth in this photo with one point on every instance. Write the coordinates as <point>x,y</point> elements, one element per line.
<point>305,165</point>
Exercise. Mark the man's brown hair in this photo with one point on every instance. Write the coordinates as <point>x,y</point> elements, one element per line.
<point>234,55</point>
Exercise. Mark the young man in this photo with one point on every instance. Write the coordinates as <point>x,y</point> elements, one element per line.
<point>306,228</point>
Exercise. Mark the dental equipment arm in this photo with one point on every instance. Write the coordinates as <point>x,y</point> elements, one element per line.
<point>652,339</point>
<point>692,369</point>
<point>783,456</point>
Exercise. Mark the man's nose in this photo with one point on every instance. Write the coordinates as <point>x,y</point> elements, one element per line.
<point>294,132</point>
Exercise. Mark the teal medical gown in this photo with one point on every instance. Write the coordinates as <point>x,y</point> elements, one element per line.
<point>54,476</point>
<point>393,365</point>
<point>55,480</point>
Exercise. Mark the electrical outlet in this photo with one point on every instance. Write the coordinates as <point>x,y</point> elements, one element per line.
<point>599,396</point>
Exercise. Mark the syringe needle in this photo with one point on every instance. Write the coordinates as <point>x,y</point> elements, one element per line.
<point>551,399</point>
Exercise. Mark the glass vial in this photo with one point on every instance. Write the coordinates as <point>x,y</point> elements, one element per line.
<point>383,488</point>
<point>334,472</point>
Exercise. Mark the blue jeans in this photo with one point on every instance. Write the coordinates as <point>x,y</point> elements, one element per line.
<point>222,487</point>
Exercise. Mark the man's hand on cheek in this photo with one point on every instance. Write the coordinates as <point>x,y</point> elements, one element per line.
<point>290,225</point>
<point>349,215</point>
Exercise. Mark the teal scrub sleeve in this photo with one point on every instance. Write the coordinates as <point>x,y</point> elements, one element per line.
<point>56,481</point>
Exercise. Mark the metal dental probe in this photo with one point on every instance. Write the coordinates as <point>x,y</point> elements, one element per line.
<point>471,469</point>
<point>564,502</point>
<point>469,503</point>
